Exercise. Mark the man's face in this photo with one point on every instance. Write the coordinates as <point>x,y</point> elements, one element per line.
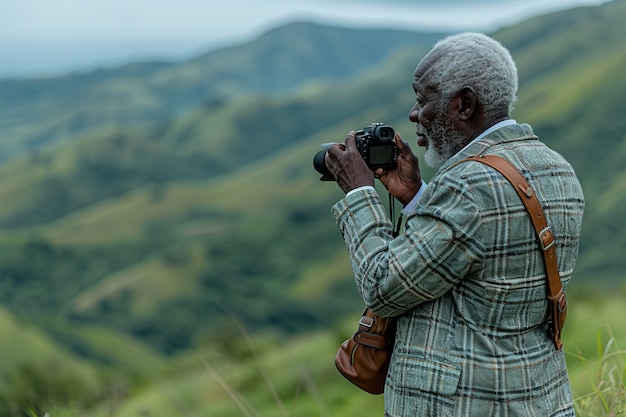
<point>435,129</point>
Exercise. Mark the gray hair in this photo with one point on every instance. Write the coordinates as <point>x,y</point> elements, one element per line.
<point>476,59</point>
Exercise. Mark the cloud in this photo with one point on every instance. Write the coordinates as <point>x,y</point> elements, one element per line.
<point>172,19</point>
<point>84,33</point>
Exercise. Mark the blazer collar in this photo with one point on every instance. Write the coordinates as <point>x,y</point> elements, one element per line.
<point>506,134</point>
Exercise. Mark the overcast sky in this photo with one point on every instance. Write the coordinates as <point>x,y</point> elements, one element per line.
<point>52,37</point>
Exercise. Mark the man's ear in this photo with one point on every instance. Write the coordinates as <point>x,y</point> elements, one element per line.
<point>468,102</point>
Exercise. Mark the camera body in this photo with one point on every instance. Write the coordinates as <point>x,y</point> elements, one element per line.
<point>377,147</point>
<point>375,144</point>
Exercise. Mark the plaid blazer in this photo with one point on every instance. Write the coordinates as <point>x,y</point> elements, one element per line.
<point>467,284</point>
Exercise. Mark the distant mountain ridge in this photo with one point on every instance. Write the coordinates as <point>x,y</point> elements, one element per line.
<point>151,92</point>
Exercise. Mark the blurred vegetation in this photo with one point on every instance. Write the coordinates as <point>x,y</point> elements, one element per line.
<point>238,374</point>
<point>163,233</point>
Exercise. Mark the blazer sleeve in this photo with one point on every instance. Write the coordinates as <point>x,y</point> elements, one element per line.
<point>436,250</point>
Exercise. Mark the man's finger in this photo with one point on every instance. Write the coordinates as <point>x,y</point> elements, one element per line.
<point>350,141</point>
<point>335,149</point>
<point>400,142</point>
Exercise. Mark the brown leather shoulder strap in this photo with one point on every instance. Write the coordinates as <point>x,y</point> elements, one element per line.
<point>556,296</point>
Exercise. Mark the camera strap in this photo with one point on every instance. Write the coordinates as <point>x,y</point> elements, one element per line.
<point>392,216</point>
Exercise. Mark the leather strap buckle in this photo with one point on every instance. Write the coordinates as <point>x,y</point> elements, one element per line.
<point>561,304</point>
<point>366,321</point>
<point>546,238</point>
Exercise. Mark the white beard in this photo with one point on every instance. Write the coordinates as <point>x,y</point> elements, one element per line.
<point>442,142</point>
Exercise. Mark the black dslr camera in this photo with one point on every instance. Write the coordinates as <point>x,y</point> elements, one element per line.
<point>375,144</point>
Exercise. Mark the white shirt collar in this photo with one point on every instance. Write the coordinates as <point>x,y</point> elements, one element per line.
<point>492,129</point>
<point>411,206</point>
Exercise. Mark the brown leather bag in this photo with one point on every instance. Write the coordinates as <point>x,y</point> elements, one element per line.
<point>364,358</point>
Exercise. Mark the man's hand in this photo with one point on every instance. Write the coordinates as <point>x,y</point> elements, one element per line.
<point>347,165</point>
<point>405,180</point>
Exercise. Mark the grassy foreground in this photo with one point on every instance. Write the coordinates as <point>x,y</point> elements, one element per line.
<point>261,377</point>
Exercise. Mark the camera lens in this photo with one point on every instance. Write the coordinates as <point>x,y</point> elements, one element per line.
<point>319,163</point>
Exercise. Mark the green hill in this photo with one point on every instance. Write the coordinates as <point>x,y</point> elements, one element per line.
<point>153,223</point>
<point>174,209</point>
<point>36,114</point>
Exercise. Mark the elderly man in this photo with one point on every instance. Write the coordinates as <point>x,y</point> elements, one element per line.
<point>465,280</point>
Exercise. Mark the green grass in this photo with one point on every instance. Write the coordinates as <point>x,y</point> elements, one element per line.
<point>594,333</point>
<point>25,343</point>
<point>264,376</point>
<point>603,379</point>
